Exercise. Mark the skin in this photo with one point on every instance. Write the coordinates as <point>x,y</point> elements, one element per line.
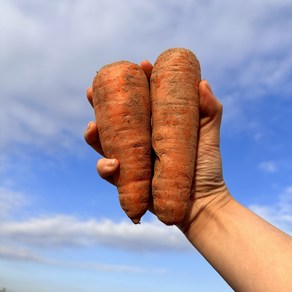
<point>248,252</point>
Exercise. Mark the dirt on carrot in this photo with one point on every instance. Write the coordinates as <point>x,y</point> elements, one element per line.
<point>122,110</point>
<point>174,95</point>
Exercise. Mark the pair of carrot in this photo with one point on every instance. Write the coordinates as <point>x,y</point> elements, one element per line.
<point>133,119</point>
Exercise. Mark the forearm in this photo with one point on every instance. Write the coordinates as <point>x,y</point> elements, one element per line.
<point>249,253</point>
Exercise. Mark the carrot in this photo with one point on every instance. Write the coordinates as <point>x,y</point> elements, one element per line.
<point>122,110</point>
<point>175,118</point>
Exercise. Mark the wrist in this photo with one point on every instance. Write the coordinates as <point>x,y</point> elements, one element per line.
<point>205,212</point>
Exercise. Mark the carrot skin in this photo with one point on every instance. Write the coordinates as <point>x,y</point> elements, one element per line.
<point>175,120</point>
<point>122,110</point>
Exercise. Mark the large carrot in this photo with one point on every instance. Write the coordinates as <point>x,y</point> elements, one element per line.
<point>175,118</point>
<point>122,109</point>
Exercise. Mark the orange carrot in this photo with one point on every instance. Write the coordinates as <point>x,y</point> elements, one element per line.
<point>122,110</point>
<point>175,119</point>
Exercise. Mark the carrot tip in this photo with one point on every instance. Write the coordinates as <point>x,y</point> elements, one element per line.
<point>136,220</point>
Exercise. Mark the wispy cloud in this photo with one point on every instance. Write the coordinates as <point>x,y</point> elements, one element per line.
<point>17,254</point>
<point>31,240</point>
<point>43,87</point>
<point>268,166</point>
<point>68,231</point>
<point>13,253</point>
<point>278,214</point>
<point>115,268</point>
<point>10,202</point>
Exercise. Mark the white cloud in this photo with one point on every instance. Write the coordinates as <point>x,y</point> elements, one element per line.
<point>19,254</point>
<point>16,254</point>
<point>268,166</point>
<point>51,52</point>
<point>29,241</point>
<point>10,202</point>
<point>278,214</point>
<point>66,231</point>
<point>115,268</point>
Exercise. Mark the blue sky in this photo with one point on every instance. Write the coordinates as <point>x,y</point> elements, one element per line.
<point>61,227</point>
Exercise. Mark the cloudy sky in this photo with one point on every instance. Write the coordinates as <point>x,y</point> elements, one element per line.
<point>61,227</point>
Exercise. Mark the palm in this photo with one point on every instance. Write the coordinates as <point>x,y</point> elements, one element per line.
<point>208,171</point>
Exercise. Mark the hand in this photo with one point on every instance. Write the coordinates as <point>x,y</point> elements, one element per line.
<point>209,185</point>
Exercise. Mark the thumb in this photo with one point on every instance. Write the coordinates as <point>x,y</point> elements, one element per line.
<point>209,105</point>
<point>106,168</point>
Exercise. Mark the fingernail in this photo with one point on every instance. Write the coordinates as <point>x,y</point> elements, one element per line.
<point>110,162</point>
<point>90,124</point>
<point>208,86</point>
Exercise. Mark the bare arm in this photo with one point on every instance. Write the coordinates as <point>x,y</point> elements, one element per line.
<point>248,252</point>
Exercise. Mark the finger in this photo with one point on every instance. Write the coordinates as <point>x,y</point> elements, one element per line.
<point>92,138</point>
<point>210,107</point>
<point>210,116</point>
<point>89,95</point>
<point>106,168</point>
<point>147,68</point>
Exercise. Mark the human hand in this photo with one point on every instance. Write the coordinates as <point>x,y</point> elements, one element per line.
<point>209,186</point>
